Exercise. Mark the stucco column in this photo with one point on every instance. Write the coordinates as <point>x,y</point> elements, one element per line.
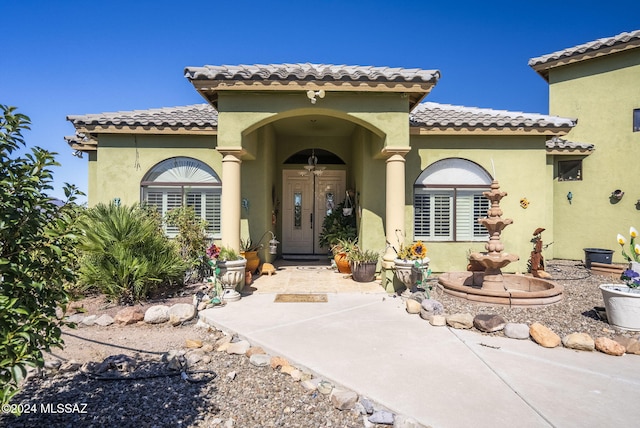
<point>395,193</point>
<point>230,198</point>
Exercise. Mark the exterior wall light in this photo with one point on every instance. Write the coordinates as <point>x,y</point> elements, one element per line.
<point>569,197</point>
<point>313,94</point>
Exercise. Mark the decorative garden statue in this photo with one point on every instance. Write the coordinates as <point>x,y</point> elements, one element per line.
<point>536,262</point>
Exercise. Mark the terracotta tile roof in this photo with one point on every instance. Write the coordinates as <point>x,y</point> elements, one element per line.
<point>309,72</point>
<point>599,47</point>
<point>192,116</point>
<point>557,143</point>
<point>439,116</point>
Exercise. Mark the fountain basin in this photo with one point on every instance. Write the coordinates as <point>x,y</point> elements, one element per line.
<point>520,290</point>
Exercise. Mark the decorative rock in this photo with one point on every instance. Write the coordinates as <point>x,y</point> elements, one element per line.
<point>489,323</point>
<point>418,296</point>
<point>104,320</point>
<point>544,336</point>
<point>324,387</point>
<point>609,346</point>
<point>278,362</point>
<point>431,307</point>
<point>463,321</point>
<point>634,348</point>
<point>129,315</point>
<point>255,350</point>
<point>223,347</point>
<point>381,417</point>
<point>287,369</point>
<point>239,348</point>
<point>227,338</point>
<point>52,364</point>
<point>183,311</point>
<point>343,400</point>
<point>191,343</point>
<point>401,421</point>
<point>207,347</point>
<point>157,314</point>
<point>438,320</point>
<point>69,366</point>
<point>413,307</point>
<point>193,358</point>
<point>367,404</point>
<point>206,359</point>
<point>202,306</point>
<point>310,384</point>
<point>625,341</point>
<point>231,376</point>
<point>516,330</point>
<point>203,325</point>
<point>579,341</point>
<point>297,375</point>
<point>260,360</point>
<point>75,318</point>
<point>89,321</point>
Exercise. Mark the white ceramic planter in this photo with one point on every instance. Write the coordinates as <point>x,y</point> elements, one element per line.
<point>232,278</point>
<point>408,273</point>
<point>623,305</point>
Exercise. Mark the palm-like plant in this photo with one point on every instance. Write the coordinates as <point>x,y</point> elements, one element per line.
<point>125,254</point>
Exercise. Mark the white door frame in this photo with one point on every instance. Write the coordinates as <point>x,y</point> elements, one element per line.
<point>312,194</point>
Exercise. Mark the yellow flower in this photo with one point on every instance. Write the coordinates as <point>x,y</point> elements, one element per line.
<point>633,232</point>
<point>418,250</point>
<point>621,240</point>
<point>637,249</point>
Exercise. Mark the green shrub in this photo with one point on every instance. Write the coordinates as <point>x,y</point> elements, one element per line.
<point>37,258</point>
<point>192,241</point>
<point>125,254</point>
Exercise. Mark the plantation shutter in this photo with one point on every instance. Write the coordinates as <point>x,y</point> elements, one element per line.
<point>480,208</point>
<point>212,212</point>
<point>422,215</point>
<point>464,216</point>
<point>442,215</point>
<point>173,200</point>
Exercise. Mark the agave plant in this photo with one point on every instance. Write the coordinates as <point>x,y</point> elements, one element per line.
<point>125,255</point>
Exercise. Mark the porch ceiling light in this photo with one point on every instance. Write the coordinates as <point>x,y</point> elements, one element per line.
<point>312,165</point>
<point>313,94</point>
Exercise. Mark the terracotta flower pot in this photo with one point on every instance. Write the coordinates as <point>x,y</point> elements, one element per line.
<point>342,263</point>
<point>253,260</point>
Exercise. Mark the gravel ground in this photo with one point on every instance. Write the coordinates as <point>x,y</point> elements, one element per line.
<point>257,396</point>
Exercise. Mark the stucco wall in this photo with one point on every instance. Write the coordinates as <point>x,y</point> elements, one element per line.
<point>602,94</point>
<point>521,169</point>
<point>123,162</point>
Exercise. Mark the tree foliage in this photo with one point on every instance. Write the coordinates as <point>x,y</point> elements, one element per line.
<point>37,258</point>
<point>191,239</point>
<point>125,254</point>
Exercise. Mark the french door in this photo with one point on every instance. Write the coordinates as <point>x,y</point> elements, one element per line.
<point>306,201</point>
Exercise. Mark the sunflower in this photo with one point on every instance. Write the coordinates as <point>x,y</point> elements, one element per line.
<point>418,250</point>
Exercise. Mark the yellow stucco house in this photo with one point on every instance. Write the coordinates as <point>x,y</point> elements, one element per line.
<point>276,147</point>
<point>598,83</point>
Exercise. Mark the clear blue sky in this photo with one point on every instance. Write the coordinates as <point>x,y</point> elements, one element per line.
<point>72,57</point>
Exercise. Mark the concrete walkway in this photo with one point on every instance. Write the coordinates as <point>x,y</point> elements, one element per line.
<point>442,377</point>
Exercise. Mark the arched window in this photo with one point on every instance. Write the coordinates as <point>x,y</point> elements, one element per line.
<point>184,181</point>
<point>448,201</point>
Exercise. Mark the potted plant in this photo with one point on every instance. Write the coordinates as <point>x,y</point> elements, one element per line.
<point>336,226</point>
<point>250,252</point>
<point>229,267</point>
<point>340,251</point>
<point>622,301</point>
<point>363,264</point>
<point>412,264</point>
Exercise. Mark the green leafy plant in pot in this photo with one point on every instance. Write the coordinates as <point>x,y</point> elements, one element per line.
<point>363,264</point>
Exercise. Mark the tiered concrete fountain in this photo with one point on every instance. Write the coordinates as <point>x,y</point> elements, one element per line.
<point>492,286</point>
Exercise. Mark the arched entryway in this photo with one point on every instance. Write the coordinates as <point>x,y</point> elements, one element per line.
<point>310,192</point>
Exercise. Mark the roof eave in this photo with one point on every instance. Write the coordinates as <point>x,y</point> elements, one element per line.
<point>469,130</point>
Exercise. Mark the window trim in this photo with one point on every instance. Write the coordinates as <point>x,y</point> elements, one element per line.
<point>636,120</point>
<point>453,209</point>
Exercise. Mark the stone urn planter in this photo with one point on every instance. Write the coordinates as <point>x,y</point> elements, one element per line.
<point>230,280</point>
<point>233,266</point>
<point>410,271</point>
<point>622,304</point>
<point>363,271</point>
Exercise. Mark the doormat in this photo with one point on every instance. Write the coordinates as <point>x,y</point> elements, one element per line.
<point>301,298</point>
